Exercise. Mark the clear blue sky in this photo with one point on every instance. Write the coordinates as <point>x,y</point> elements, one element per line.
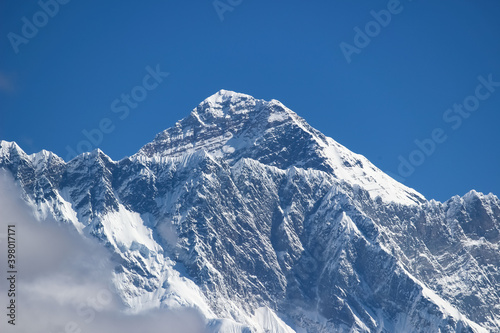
<point>395,90</point>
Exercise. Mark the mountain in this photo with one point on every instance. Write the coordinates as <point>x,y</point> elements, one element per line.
<point>262,223</point>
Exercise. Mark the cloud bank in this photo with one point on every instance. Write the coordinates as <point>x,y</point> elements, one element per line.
<point>63,284</point>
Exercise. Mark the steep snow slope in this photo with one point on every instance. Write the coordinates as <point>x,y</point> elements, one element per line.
<point>245,212</point>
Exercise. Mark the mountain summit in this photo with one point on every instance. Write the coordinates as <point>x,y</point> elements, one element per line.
<point>263,224</point>
<point>235,126</point>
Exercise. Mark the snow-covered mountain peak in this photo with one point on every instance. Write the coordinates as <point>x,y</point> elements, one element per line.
<point>44,158</point>
<point>473,194</point>
<point>225,105</point>
<point>222,117</point>
<point>8,147</point>
<point>232,126</point>
<point>94,155</point>
<point>6,144</point>
<point>225,96</point>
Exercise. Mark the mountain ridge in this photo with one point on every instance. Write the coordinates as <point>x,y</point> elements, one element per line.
<point>273,220</point>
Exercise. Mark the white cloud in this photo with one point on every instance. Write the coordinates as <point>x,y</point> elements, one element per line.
<point>64,281</point>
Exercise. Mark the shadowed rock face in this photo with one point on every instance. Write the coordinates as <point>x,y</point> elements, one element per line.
<point>258,209</point>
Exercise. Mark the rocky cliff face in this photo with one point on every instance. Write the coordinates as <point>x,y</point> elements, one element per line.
<point>245,212</point>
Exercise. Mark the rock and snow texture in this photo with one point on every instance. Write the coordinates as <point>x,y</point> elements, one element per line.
<point>248,214</point>
<point>233,126</point>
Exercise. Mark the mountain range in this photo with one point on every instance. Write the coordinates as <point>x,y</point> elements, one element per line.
<point>261,223</point>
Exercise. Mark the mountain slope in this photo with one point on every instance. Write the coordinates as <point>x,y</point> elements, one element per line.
<point>247,213</point>
<point>233,126</point>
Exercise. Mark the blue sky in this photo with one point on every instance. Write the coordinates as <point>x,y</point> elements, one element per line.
<point>404,72</point>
